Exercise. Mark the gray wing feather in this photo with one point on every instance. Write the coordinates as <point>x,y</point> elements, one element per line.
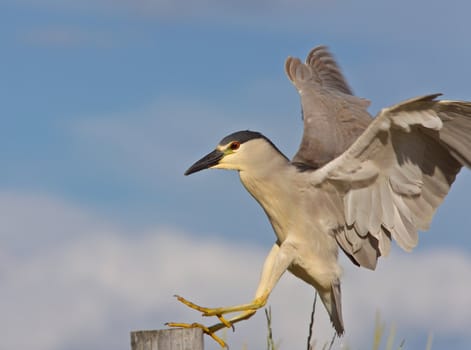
<point>393,178</point>
<point>327,71</point>
<point>333,117</point>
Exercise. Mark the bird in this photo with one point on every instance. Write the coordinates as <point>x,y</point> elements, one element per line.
<point>356,183</point>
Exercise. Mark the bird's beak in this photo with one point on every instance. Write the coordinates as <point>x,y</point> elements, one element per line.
<point>206,162</point>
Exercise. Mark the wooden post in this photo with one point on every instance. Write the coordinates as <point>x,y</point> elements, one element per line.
<point>168,339</point>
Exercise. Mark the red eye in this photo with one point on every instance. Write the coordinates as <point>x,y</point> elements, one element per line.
<point>235,145</point>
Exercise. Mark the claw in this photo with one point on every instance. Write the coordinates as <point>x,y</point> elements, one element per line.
<point>188,303</point>
<point>205,329</point>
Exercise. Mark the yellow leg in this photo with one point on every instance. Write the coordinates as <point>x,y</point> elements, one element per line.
<point>241,317</point>
<point>276,263</point>
<point>214,328</point>
<point>248,310</point>
<point>257,303</point>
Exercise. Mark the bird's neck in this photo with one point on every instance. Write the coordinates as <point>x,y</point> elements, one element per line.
<point>267,171</point>
<point>268,183</point>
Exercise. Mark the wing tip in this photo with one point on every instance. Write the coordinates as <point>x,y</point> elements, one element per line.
<point>291,67</point>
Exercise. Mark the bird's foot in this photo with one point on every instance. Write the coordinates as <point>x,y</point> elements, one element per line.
<point>206,311</point>
<point>207,330</point>
<point>247,311</point>
<point>219,311</point>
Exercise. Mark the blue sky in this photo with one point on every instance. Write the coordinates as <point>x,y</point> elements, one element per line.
<point>106,104</point>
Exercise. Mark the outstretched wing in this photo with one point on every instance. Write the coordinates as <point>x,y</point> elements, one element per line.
<point>393,178</point>
<point>333,117</point>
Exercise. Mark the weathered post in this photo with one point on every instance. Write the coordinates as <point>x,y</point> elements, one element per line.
<point>168,339</point>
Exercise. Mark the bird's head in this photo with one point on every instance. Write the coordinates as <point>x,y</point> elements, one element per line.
<point>241,150</point>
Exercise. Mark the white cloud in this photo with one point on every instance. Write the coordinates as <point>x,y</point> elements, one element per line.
<point>421,292</point>
<point>92,287</point>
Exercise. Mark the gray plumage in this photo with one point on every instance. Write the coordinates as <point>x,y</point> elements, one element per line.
<point>356,183</point>
<point>333,117</point>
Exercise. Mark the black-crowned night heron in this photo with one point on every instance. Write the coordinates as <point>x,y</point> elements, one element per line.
<point>355,183</point>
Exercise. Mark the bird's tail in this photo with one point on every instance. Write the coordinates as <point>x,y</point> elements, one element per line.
<point>333,304</point>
